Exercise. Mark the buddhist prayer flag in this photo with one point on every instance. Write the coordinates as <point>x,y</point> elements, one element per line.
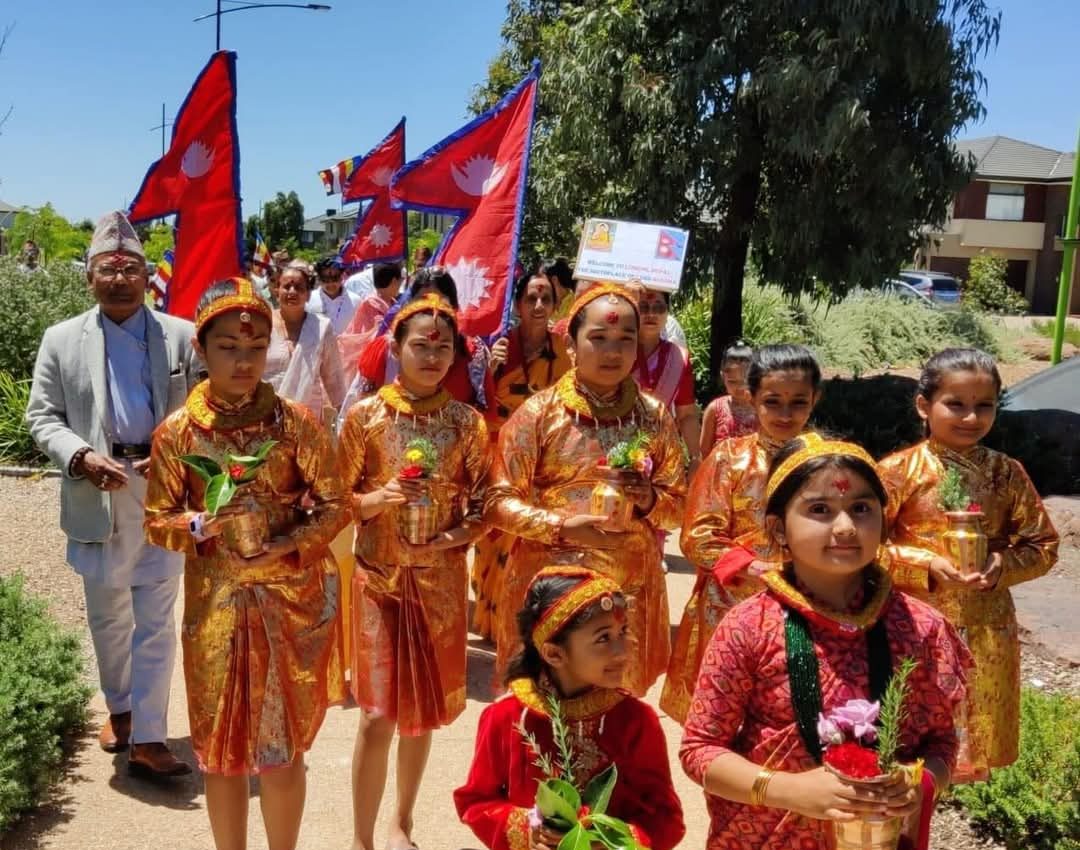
<point>381,232</point>
<point>198,180</point>
<point>478,173</point>
<point>334,178</point>
<point>261,259</point>
<point>159,284</point>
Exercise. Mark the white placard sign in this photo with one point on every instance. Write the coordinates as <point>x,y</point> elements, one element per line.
<point>623,251</point>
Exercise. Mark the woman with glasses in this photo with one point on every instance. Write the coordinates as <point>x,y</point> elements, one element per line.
<point>663,370</point>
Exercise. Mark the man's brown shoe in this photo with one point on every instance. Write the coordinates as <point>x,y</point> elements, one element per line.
<point>115,733</point>
<point>154,761</point>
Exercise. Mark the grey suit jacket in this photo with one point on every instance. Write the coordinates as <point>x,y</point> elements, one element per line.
<point>69,404</point>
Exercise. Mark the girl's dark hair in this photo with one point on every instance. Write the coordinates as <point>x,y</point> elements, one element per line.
<point>736,353</point>
<point>438,277</point>
<point>782,358</point>
<point>523,281</point>
<point>579,318</point>
<point>955,360</point>
<point>542,594</point>
<point>221,289</point>
<point>560,269</point>
<point>779,501</point>
<point>383,274</point>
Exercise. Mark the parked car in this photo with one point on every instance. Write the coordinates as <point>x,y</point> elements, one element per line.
<point>903,289</point>
<point>937,286</point>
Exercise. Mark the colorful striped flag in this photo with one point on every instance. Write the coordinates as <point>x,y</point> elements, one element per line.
<point>334,179</point>
<point>261,260</point>
<point>159,283</point>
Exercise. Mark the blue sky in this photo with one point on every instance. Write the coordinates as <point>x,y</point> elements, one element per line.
<point>315,87</point>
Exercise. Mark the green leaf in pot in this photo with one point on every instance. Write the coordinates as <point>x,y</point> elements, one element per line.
<point>262,451</point>
<point>204,467</point>
<point>219,493</point>
<point>597,794</point>
<point>613,833</point>
<point>558,800</point>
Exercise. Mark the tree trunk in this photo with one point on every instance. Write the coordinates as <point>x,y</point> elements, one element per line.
<point>729,257</point>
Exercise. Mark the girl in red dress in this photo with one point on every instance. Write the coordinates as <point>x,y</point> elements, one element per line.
<point>730,415</point>
<point>575,633</point>
<point>828,628</point>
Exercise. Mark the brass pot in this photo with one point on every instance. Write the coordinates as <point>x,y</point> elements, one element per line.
<point>246,533</point>
<point>965,543</point>
<point>609,498</point>
<point>416,519</point>
<point>873,832</point>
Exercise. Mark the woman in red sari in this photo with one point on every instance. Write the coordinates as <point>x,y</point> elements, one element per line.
<point>575,634</point>
<point>829,628</point>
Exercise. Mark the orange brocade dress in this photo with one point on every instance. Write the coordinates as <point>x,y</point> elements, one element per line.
<point>725,511</point>
<point>261,648</point>
<point>410,606</point>
<point>1016,525</point>
<point>544,472</point>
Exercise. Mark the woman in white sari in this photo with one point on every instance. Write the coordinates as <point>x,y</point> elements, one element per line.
<point>303,363</point>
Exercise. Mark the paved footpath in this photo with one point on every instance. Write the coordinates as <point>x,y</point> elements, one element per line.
<point>97,806</point>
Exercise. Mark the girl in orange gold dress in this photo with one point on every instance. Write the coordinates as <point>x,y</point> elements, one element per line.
<point>409,618</point>
<point>957,399</point>
<point>723,532</point>
<point>547,465</point>
<point>260,635</point>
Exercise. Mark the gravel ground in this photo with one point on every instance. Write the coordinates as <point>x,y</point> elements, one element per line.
<point>35,547</point>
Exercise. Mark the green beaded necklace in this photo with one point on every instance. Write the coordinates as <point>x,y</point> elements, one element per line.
<point>804,674</point>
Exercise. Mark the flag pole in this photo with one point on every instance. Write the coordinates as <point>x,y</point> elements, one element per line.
<point>1068,260</point>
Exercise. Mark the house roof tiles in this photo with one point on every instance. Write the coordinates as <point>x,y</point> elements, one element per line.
<point>1011,159</point>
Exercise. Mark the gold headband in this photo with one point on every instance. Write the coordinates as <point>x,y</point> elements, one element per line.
<point>429,303</point>
<point>612,290</point>
<point>245,298</point>
<point>814,445</point>
<point>594,588</point>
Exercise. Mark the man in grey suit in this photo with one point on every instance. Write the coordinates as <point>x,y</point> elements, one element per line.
<point>102,382</point>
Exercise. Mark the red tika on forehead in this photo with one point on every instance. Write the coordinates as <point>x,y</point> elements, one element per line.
<point>842,484</point>
<point>612,318</point>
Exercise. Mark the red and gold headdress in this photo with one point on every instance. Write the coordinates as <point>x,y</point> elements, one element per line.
<point>613,291</point>
<point>814,445</point>
<point>430,303</point>
<point>245,299</point>
<point>595,588</point>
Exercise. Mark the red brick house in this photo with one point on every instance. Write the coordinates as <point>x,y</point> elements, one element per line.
<point>1014,207</point>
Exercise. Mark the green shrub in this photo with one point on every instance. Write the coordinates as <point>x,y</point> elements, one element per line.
<point>1046,329</point>
<point>42,697</point>
<point>29,303</point>
<point>16,445</point>
<point>986,289</point>
<point>1034,804</point>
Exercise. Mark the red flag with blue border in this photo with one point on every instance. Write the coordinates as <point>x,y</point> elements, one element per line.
<point>198,180</point>
<point>381,233</point>
<point>478,174</point>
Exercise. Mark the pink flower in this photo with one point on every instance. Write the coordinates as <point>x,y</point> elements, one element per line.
<point>828,732</point>
<point>645,467</point>
<point>857,716</point>
<point>536,820</point>
<point>974,508</point>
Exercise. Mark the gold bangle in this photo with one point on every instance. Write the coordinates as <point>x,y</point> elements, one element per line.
<point>760,786</point>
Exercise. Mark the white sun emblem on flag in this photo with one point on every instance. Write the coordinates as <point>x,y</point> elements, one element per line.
<point>380,236</point>
<point>479,176</point>
<point>382,176</point>
<point>472,282</point>
<point>197,160</point>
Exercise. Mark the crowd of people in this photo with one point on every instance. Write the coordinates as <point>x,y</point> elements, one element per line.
<point>381,446</point>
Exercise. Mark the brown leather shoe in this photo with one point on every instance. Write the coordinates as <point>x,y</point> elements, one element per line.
<point>154,761</point>
<point>115,733</point>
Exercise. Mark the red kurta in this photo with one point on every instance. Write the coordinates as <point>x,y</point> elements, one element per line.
<point>608,727</point>
<point>742,703</point>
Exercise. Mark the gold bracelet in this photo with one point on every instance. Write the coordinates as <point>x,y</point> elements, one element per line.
<point>760,786</point>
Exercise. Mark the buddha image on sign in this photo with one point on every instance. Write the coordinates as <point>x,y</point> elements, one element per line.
<point>600,236</point>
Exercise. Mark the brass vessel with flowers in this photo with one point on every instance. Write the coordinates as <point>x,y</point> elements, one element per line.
<point>246,532</point>
<point>964,541</point>
<point>416,518</point>
<point>627,465</point>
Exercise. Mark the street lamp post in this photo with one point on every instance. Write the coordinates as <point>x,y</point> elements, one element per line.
<point>243,7</point>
